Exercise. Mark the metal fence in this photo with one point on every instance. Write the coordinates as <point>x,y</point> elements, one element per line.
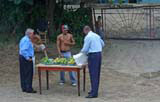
<point>139,22</point>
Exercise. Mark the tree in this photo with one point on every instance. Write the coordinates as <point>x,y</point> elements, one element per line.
<point>50,13</point>
<point>50,7</point>
<point>20,1</point>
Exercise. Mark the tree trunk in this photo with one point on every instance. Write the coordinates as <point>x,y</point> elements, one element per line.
<point>50,12</point>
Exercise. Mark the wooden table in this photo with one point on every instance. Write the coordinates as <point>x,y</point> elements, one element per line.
<point>47,68</point>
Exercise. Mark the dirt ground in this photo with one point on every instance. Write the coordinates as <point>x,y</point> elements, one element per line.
<point>129,73</point>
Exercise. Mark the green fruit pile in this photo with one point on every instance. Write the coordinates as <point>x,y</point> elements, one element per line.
<point>46,60</point>
<point>64,61</point>
<point>58,61</point>
<point>71,60</point>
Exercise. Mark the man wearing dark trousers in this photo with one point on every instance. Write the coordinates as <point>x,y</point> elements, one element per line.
<point>26,53</point>
<point>93,45</point>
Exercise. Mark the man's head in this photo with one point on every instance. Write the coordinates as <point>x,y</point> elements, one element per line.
<point>86,29</point>
<point>99,18</point>
<point>36,39</point>
<point>82,4</point>
<point>30,33</point>
<point>65,29</point>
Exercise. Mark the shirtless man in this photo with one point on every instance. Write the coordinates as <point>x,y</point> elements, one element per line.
<point>99,28</point>
<point>64,43</point>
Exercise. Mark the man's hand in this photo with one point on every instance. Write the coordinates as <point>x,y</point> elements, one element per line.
<point>69,43</point>
<point>30,59</point>
<point>42,47</point>
<point>61,55</point>
<point>83,66</point>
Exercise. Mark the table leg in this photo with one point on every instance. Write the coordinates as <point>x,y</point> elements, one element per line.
<point>39,74</point>
<point>84,79</point>
<point>47,79</point>
<point>78,78</point>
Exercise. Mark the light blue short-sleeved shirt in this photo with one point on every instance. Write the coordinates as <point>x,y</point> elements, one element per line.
<point>92,43</point>
<point>26,48</point>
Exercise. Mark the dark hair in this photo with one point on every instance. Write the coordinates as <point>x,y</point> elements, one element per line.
<point>99,17</point>
<point>87,28</point>
<point>82,4</point>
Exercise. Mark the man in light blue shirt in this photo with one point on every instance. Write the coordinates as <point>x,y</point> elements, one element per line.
<point>92,42</point>
<point>26,47</point>
<point>26,53</point>
<point>93,45</point>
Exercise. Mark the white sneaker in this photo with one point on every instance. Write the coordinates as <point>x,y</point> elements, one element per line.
<point>61,83</point>
<point>74,84</point>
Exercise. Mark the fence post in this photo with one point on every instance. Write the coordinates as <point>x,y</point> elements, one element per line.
<point>102,18</point>
<point>150,22</point>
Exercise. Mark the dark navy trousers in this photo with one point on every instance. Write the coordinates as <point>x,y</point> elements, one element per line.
<point>94,65</point>
<point>26,74</point>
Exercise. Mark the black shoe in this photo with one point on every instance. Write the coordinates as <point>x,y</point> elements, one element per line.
<point>23,90</point>
<point>89,92</point>
<point>90,96</point>
<point>32,91</point>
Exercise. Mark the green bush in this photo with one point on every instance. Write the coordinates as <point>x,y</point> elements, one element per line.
<point>76,21</point>
<point>16,18</point>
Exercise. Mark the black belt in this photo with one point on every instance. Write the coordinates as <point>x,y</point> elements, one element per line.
<point>93,53</point>
<point>24,57</point>
<point>65,51</point>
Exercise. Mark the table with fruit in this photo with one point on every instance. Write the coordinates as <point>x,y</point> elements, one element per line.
<point>58,61</point>
<point>60,64</point>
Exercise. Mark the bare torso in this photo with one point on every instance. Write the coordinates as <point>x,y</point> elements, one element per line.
<point>65,42</point>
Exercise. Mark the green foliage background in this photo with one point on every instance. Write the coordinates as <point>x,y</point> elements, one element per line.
<point>17,15</point>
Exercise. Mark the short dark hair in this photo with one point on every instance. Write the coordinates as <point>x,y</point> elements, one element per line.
<point>82,4</point>
<point>99,17</point>
<point>87,28</point>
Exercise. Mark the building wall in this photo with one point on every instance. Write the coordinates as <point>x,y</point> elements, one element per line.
<point>150,1</point>
<point>115,1</point>
<point>147,1</point>
<point>138,1</point>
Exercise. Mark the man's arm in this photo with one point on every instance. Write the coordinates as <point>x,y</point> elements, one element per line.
<point>24,50</point>
<point>86,45</point>
<point>102,42</point>
<point>72,41</point>
<point>58,45</point>
<point>40,47</point>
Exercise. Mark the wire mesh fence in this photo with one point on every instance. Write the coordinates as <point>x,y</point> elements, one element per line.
<point>138,22</point>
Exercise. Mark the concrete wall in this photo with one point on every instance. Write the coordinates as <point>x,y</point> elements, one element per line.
<point>150,1</point>
<point>138,1</point>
